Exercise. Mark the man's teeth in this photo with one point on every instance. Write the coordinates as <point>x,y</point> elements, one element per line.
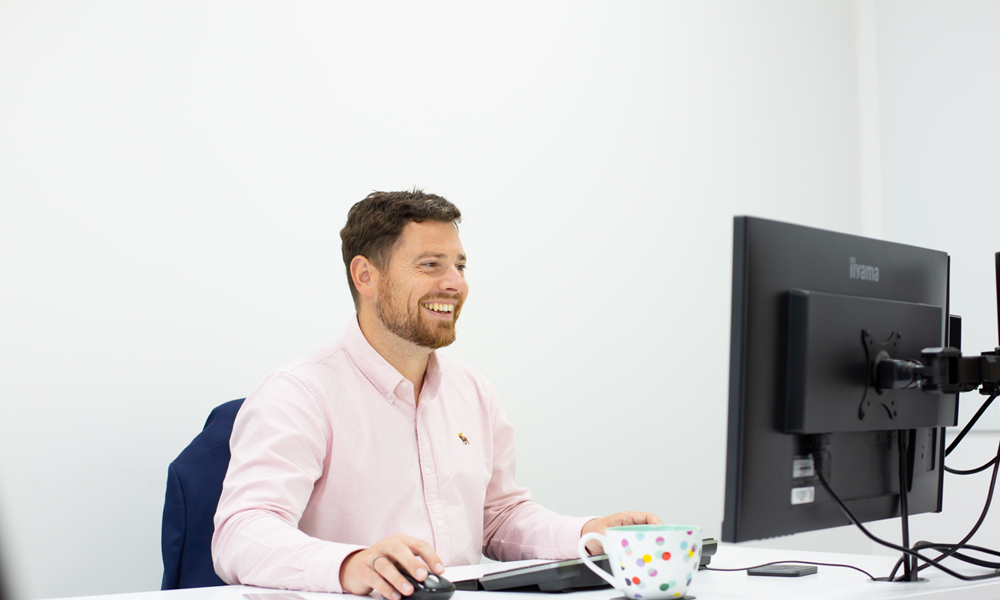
<point>439,307</point>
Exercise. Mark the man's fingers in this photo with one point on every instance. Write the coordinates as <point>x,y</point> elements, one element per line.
<point>415,555</point>
<point>634,518</point>
<point>406,553</point>
<point>388,581</point>
<point>645,517</point>
<point>430,557</point>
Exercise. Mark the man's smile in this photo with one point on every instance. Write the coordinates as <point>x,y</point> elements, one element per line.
<point>439,309</point>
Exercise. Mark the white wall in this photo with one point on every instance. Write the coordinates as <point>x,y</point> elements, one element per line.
<point>174,175</point>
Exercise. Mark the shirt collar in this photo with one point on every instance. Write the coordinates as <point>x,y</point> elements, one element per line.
<point>383,376</point>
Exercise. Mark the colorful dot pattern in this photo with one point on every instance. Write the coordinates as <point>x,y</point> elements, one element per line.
<point>649,562</point>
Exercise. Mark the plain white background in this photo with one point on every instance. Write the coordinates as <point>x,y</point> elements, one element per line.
<point>174,176</point>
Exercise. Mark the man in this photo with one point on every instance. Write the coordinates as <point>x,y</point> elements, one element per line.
<point>376,453</point>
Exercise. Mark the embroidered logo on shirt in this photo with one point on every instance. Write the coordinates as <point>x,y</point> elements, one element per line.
<point>464,439</point>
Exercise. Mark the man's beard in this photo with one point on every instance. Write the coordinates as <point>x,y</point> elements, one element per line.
<point>408,323</point>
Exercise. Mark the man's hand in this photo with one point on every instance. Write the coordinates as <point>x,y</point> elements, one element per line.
<point>375,568</point>
<point>615,520</point>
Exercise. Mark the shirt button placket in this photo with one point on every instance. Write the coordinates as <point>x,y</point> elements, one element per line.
<point>432,498</point>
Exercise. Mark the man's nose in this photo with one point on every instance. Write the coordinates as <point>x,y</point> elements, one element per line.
<point>454,280</point>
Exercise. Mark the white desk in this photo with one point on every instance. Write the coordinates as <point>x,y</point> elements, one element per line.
<point>829,583</point>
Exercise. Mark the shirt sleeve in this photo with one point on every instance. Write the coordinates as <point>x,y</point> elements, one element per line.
<point>514,526</point>
<point>279,444</point>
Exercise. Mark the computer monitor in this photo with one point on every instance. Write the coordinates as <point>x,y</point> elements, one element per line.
<point>812,312</point>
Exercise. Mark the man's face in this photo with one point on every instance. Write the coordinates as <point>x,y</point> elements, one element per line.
<point>421,291</point>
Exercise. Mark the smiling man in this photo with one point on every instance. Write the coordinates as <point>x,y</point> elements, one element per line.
<point>378,453</point>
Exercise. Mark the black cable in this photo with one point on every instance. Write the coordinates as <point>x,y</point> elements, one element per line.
<point>895,567</point>
<point>797,562</point>
<point>952,549</point>
<point>982,516</point>
<point>976,561</point>
<point>956,555</point>
<point>930,562</point>
<point>968,426</point>
<point>970,471</point>
<point>963,557</point>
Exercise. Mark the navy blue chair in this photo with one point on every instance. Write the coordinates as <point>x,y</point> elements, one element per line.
<point>194,485</point>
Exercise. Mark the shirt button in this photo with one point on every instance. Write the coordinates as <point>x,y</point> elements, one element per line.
<point>440,523</point>
<point>405,383</point>
<point>388,396</point>
<point>427,470</point>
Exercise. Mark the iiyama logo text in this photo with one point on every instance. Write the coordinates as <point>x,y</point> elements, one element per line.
<point>865,272</point>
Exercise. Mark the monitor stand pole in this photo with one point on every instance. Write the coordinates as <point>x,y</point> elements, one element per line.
<point>910,572</point>
<point>904,443</point>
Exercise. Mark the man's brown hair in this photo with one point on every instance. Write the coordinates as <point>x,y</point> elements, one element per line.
<point>375,224</point>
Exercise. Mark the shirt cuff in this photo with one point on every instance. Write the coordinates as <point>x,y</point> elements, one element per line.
<point>324,567</point>
<point>571,534</point>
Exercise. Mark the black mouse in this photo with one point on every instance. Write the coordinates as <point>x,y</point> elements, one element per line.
<point>434,587</point>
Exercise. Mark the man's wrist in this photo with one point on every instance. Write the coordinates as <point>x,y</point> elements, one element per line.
<point>590,526</point>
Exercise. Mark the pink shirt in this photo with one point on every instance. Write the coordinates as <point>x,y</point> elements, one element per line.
<point>331,454</point>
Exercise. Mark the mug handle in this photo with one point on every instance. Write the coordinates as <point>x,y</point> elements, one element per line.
<point>581,547</point>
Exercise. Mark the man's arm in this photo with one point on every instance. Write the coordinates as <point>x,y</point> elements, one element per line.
<point>514,526</point>
<point>279,445</point>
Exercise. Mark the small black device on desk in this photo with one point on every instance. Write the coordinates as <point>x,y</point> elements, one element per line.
<point>783,570</point>
<point>561,576</point>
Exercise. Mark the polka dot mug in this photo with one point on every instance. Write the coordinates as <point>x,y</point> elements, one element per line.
<point>648,562</point>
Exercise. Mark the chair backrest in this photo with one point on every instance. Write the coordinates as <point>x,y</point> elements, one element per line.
<point>194,485</point>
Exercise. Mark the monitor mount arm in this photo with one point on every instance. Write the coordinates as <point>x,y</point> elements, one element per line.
<point>939,371</point>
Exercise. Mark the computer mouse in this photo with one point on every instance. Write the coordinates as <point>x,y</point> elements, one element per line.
<point>434,587</point>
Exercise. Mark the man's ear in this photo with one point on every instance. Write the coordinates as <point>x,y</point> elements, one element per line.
<point>364,275</point>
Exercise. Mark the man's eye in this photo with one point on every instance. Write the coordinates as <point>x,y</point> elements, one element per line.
<point>431,265</point>
<point>460,268</point>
